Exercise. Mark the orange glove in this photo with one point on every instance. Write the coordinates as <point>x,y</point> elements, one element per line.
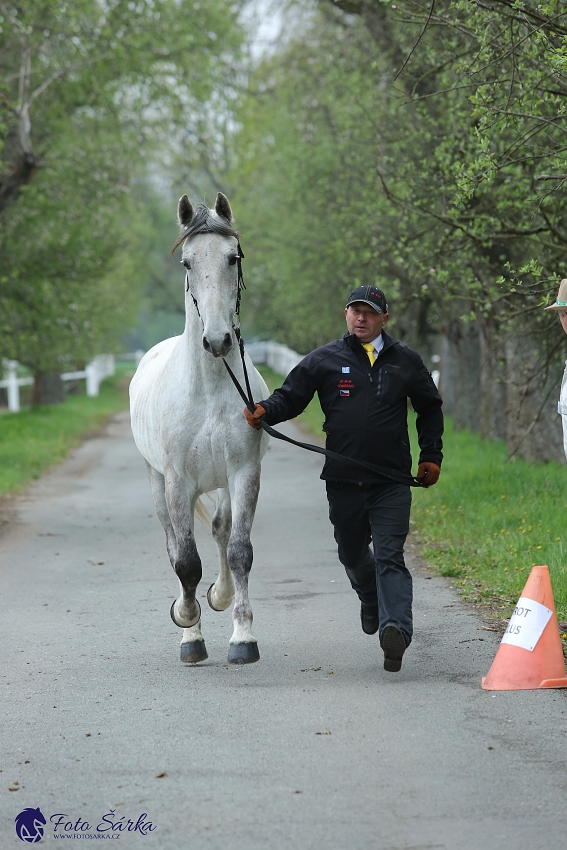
<point>431,472</point>
<point>253,419</point>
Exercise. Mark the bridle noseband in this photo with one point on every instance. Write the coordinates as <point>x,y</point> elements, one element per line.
<point>240,285</point>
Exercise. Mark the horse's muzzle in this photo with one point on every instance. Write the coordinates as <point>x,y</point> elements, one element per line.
<point>218,349</point>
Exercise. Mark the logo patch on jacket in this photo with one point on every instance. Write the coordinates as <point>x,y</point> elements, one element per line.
<point>346,369</point>
<point>345,386</point>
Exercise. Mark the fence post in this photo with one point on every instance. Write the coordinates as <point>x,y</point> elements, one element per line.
<point>92,378</point>
<point>108,365</point>
<point>13,386</point>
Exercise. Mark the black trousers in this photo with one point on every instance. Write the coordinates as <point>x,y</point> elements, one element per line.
<point>379,514</point>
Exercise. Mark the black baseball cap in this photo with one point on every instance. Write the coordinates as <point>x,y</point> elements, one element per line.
<point>371,295</point>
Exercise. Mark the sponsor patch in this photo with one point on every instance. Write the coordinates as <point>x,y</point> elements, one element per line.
<point>346,370</point>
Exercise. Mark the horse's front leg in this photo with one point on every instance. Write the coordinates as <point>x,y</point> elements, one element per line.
<point>221,593</point>
<point>185,611</point>
<point>244,488</point>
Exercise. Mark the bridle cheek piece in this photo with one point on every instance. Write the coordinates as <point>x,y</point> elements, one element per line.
<point>240,285</point>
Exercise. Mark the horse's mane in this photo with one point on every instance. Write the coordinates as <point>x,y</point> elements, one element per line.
<point>204,222</point>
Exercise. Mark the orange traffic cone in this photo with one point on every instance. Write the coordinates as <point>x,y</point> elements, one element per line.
<point>530,655</point>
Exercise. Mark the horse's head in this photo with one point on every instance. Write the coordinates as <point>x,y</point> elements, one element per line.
<point>210,255</point>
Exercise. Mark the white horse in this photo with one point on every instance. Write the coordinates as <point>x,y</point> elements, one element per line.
<point>188,424</point>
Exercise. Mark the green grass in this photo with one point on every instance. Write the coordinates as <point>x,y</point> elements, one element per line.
<point>34,440</point>
<point>486,522</point>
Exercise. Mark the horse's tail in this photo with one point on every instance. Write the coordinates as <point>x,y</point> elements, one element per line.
<point>203,514</point>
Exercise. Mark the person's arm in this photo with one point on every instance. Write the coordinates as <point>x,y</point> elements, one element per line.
<point>293,396</point>
<point>427,403</point>
<point>290,399</point>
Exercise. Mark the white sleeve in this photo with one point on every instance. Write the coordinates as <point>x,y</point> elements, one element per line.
<point>562,408</point>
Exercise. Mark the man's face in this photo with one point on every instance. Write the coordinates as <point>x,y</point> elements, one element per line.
<point>364,321</point>
<point>563,319</point>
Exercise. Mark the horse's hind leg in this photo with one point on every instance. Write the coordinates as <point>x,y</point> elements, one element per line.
<point>244,488</point>
<point>192,644</point>
<point>221,593</point>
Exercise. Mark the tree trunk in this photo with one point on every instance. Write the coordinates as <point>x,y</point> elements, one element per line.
<point>464,351</point>
<point>47,389</point>
<point>413,328</point>
<point>493,385</point>
<point>20,173</point>
<point>447,375</point>
<point>534,426</point>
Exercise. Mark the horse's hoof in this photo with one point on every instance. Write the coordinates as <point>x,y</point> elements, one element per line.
<point>210,600</point>
<point>188,623</point>
<point>243,653</point>
<point>193,651</point>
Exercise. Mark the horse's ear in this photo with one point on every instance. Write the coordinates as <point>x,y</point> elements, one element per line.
<point>185,211</point>
<point>222,207</point>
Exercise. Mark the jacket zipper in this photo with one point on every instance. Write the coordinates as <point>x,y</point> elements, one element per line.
<point>370,381</point>
<point>363,417</point>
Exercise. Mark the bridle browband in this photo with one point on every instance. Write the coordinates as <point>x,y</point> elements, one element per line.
<point>394,475</point>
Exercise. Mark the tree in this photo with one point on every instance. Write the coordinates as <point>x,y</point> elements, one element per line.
<point>146,64</point>
<point>420,154</point>
<point>305,188</point>
<point>69,249</point>
<point>487,84</point>
<point>89,94</point>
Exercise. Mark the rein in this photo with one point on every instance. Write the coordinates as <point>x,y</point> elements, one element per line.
<point>396,476</point>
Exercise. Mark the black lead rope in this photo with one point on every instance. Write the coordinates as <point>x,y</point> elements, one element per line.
<point>397,476</point>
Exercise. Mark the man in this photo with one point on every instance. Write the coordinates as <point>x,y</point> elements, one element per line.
<point>363,381</point>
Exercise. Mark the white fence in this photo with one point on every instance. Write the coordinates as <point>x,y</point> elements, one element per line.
<point>94,373</point>
<point>278,357</point>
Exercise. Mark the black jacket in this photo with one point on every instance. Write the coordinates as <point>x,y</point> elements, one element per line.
<point>365,406</point>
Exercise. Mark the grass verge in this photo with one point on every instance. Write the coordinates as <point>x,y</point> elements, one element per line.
<point>34,440</point>
<point>487,521</point>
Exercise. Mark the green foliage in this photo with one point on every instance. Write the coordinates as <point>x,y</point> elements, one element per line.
<point>91,97</point>
<point>68,284</point>
<point>305,188</point>
<point>439,183</point>
<point>34,440</point>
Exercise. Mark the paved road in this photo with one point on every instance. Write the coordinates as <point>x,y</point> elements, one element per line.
<point>314,747</point>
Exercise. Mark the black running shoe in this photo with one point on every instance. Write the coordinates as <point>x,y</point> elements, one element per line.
<point>393,643</point>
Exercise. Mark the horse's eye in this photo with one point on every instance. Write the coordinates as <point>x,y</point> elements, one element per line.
<point>187,264</point>
<point>232,259</point>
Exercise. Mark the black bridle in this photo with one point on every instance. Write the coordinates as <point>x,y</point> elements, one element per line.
<point>394,475</point>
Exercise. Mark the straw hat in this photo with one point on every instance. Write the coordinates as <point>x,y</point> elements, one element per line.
<point>561,302</point>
